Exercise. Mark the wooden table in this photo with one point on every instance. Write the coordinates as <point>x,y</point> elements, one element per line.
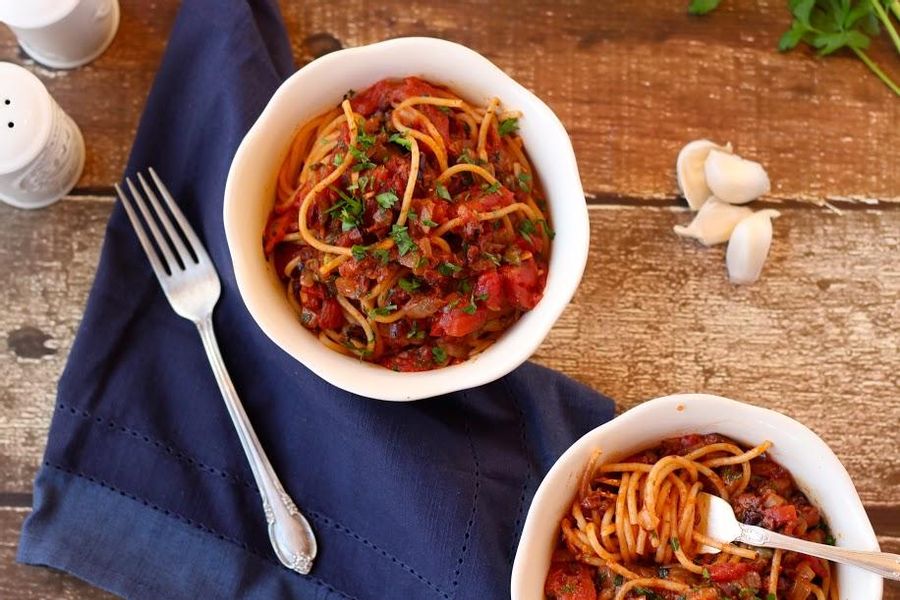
<point>818,338</point>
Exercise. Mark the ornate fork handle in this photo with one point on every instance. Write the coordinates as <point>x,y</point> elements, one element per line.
<point>290,532</point>
<point>883,563</point>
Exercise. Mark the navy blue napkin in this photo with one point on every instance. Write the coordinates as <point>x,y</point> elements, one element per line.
<point>144,489</point>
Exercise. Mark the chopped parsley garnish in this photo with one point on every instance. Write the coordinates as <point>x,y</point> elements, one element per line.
<point>619,580</point>
<point>705,574</point>
<point>481,297</point>
<point>443,109</point>
<point>492,257</point>
<point>383,311</point>
<point>829,539</point>
<point>464,286</point>
<point>771,597</point>
<point>508,126</point>
<point>382,255</point>
<point>442,192</point>
<point>359,252</point>
<point>676,545</point>
<point>524,181</point>
<point>550,233</point>
<point>412,215</point>
<point>337,160</point>
<point>421,262</point>
<point>492,188</point>
<point>409,285</point>
<point>386,199</point>
<point>349,209</point>
<point>465,158</point>
<point>362,160</point>
<point>400,140</point>
<point>415,333</point>
<point>428,223</point>
<point>361,183</point>
<point>448,269</point>
<point>526,228</point>
<point>440,356</point>
<point>365,140</point>
<point>401,237</point>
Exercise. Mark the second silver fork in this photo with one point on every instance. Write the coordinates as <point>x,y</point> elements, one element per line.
<point>191,284</point>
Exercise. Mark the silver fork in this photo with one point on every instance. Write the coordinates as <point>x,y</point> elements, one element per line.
<point>191,284</point>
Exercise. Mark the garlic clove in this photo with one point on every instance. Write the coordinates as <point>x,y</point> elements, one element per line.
<point>749,245</point>
<point>714,222</point>
<point>734,179</point>
<point>689,170</point>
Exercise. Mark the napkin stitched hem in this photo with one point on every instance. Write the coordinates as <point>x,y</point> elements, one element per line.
<point>201,466</point>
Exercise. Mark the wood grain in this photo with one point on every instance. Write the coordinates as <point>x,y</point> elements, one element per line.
<point>632,82</point>
<point>816,338</point>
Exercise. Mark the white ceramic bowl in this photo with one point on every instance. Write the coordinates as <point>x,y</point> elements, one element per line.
<point>817,471</point>
<point>320,85</point>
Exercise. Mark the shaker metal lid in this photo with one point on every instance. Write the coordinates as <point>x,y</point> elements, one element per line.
<point>32,14</point>
<point>26,115</point>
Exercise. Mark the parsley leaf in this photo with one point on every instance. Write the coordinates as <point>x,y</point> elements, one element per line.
<point>429,223</point>
<point>550,233</point>
<point>676,545</point>
<point>362,159</point>
<point>440,356</point>
<point>400,140</point>
<point>492,188</point>
<point>386,199</point>
<point>337,160</point>
<point>382,255</point>
<point>464,286</point>
<point>402,239</point>
<point>508,126</point>
<point>409,285</point>
<point>365,140</point>
<point>524,181</point>
<point>526,228</point>
<point>701,7</point>
<point>448,269</point>
<point>705,574</point>
<point>492,257</point>
<point>619,580</point>
<point>442,192</point>
<point>469,308</point>
<point>359,252</point>
<point>383,311</point>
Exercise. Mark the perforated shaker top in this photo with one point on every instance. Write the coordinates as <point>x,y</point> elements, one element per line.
<point>26,115</point>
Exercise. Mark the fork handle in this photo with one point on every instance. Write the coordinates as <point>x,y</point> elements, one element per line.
<point>291,535</point>
<point>883,563</point>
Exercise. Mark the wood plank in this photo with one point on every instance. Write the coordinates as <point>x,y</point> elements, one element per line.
<point>816,338</point>
<point>21,582</point>
<point>632,83</point>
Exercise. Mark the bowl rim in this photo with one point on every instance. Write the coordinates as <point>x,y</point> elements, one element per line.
<point>374,381</point>
<point>656,407</point>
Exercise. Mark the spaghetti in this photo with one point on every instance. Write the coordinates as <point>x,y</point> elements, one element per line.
<point>408,226</point>
<point>632,530</point>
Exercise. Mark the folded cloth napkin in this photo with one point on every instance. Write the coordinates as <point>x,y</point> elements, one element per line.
<point>144,489</point>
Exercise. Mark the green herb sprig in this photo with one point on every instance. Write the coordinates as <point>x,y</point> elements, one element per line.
<point>832,25</point>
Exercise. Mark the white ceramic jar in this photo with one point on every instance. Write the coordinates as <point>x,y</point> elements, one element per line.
<point>62,34</point>
<point>41,147</point>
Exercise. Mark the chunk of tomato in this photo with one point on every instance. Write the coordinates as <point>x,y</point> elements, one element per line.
<point>457,322</point>
<point>570,581</point>
<point>489,287</point>
<point>522,284</point>
<point>330,315</point>
<point>726,572</point>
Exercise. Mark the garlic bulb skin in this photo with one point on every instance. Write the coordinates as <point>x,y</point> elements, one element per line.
<point>689,170</point>
<point>714,222</point>
<point>749,246</point>
<point>734,179</point>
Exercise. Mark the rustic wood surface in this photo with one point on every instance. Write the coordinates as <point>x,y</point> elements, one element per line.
<point>817,338</point>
